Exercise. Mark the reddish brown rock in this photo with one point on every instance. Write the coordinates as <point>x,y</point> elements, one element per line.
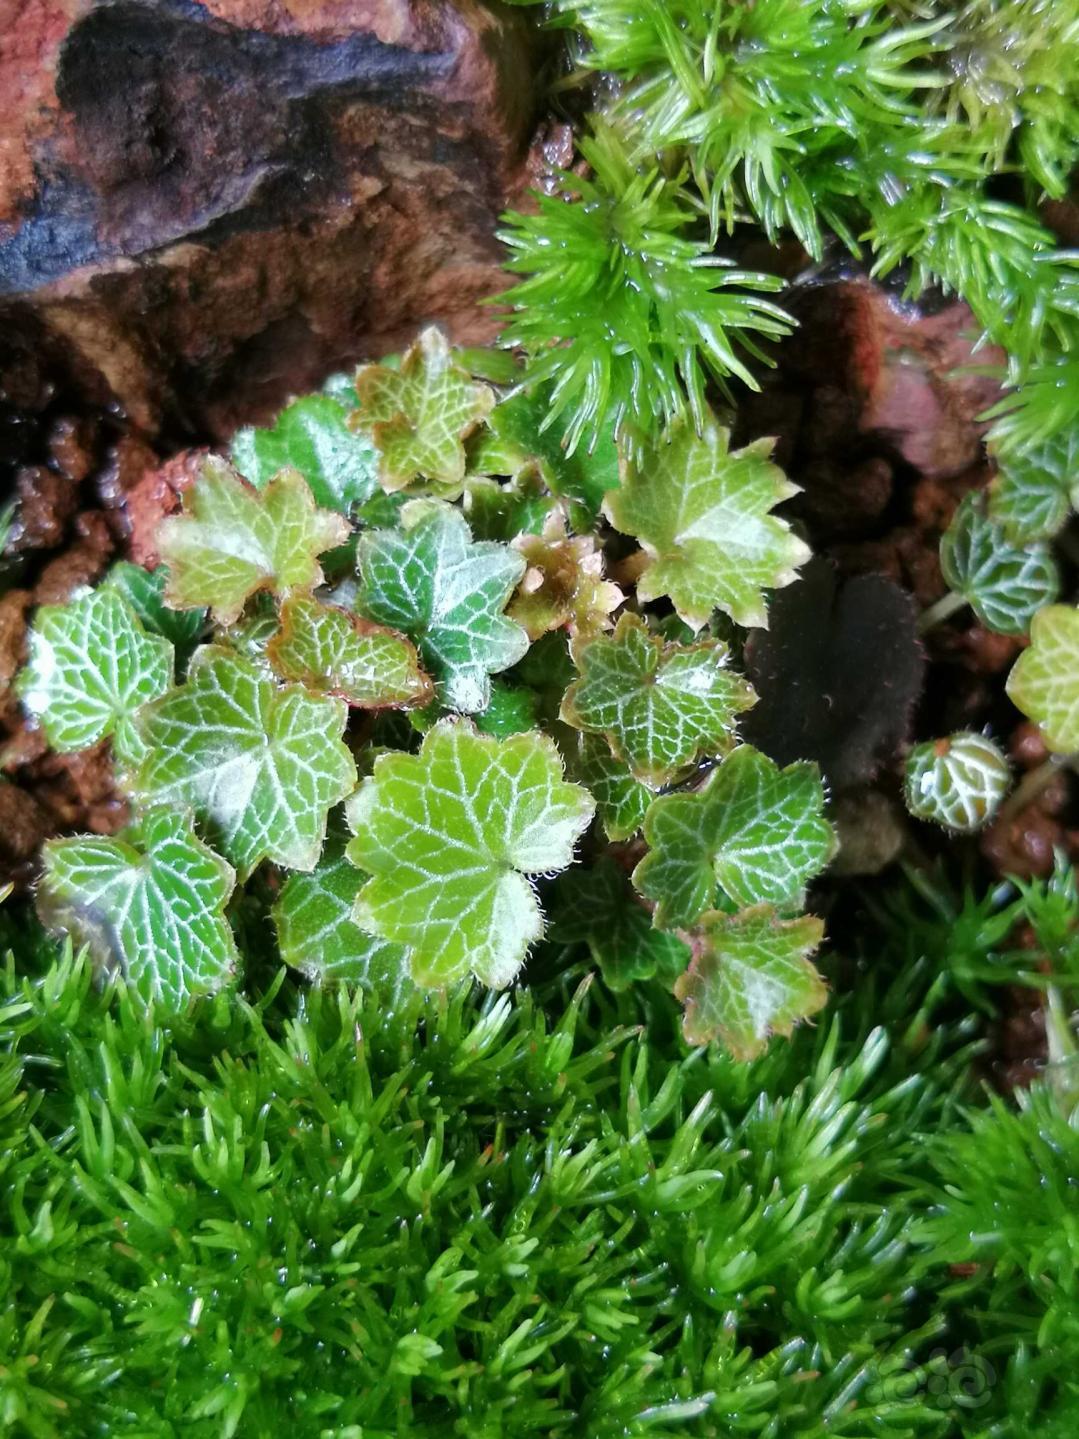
<point>211,205</point>
<point>155,495</point>
<point>13,608</point>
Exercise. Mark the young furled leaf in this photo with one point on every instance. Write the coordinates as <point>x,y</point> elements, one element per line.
<point>750,977</point>
<point>313,436</point>
<point>754,829</point>
<point>659,705</point>
<point>149,903</point>
<point>144,591</point>
<point>528,434</point>
<point>449,837</point>
<point>317,934</point>
<point>621,800</point>
<point>91,667</point>
<point>419,415</point>
<point>233,541</point>
<point>1003,585</point>
<point>430,581</point>
<point>1044,682</point>
<point>702,516</point>
<point>597,907</point>
<point>332,651</point>
<point>563,586</point>
<point>259,764</point>
<point>958,782</point>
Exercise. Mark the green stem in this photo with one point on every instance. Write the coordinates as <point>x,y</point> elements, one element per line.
<point>941,610</point>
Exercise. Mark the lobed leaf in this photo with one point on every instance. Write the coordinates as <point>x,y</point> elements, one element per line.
<point>1035,492</point>
<point>329,650</point>
<point>149,903</point>
<point>621,800</point>
<point>958,782</point>
<point>702,515</point>
<point>750,977</point>
<point>233,541</point>
<point>144,591</point>
<point>313,436</point>
<point>659,705</point>
<point>450,836</point>
<point>419,414</point>
<point>1044,681</point>
<point>259,764</point>
<point>91,668</point>
<point>754,829</point>
<point>596,907</point>
<point>1003,584</point>
<point>429,580</point>
<point>316,932</point>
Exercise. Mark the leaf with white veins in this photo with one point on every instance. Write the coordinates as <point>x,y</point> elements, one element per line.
<point>450,837</point>
<point>332,651</point>
<point>754,829</point>
<point>259,764</point>
<point>701,514</point>
<point>659,705</point>
<point>149,902</point>
<point>750,977</point>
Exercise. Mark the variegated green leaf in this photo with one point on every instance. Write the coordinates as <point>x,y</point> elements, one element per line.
<point>419,415</point>
<point>259,764</point>
<point>958,782</point>
<point>621,800</point>
<point>451,836</point>
<point>91,667</point>
<point>660,706</point>
<point>317,934</point>
<point>431,582</point>
<point>523,428</point>
<point>312,436</point>
<point>701,514</point>
<point>1029,500</point>
<point>233,541</point>
<point>1003,584</point>
<point>332,651</point>
<point>149,903</point>
<point>144,591</point>
<point>1044,682</point>
<point>597,907</point>
<point>750,977</point>
<point>754,829</point>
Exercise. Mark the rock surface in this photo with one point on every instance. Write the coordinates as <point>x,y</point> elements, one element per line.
<point>207,206</point>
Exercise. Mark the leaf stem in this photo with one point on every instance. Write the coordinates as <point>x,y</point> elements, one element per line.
<point>1031,785</point>
<point>941,610</point>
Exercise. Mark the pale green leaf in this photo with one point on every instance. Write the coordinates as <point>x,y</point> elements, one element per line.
<point>621,800</point>
<point>430,581</point>
<point>419,415</point>
<point>1003,584</point>
<point>144,591</point>
<point>233,540</point>
<point>451,836</point>
<point>331,651</point>
<point>259,764</point>
<point>701,514</point>
<point>317,934</point>
<point>91,667</point>
<point>754,829</point>
<point>660,706</point>
<point>1044,682</point>
<point>958,782</point>
<point>149,903</point>
<point>597,907</point>
<point>750,977</point>
<point>312,436</point>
